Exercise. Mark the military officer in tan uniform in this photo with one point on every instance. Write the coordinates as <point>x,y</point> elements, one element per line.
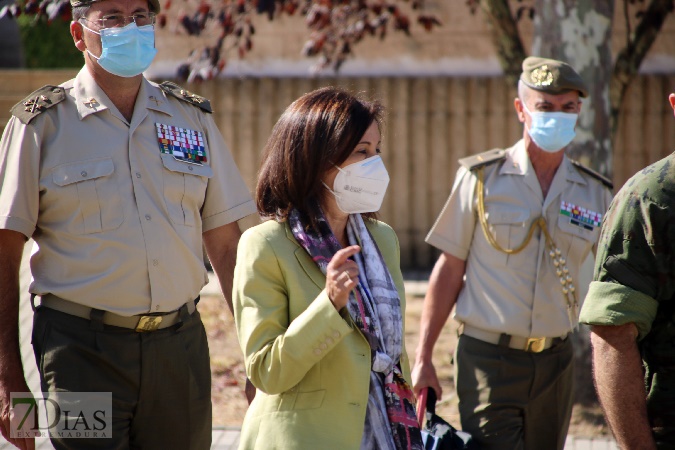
<point>516,228</point>
<point>119,181</point>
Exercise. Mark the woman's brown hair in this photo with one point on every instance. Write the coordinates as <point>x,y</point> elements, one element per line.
<point>316,132</point>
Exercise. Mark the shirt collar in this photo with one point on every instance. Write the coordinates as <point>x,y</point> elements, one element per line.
<point>572,174</point>
<point>90,98</point>
<point>153,97</point>
<point>517,162</point>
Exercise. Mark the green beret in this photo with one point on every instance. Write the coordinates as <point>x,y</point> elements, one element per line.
<point>551,76</point>
<point>154,4</point>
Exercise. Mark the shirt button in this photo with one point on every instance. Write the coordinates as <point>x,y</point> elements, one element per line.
<point>138,174</point>
<point>147,217</point>
<point>190,168</point>
<point>155,262</point>
<point>329,341</point>
<point>336,334</point>
<point>317,351</point>
<point>157,307</point>
<point>83,173</point>
<point>323,346</point>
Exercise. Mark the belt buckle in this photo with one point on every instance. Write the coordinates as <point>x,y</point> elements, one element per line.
<point>148,323</point>
<point>535,345</point>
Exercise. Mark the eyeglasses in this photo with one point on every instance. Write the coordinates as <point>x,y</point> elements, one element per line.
<point>118,20</point>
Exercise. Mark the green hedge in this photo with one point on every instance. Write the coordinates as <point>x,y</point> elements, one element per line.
<point>48,45</point>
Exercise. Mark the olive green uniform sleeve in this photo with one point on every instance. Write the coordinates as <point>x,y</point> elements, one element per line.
<point>634,265</point>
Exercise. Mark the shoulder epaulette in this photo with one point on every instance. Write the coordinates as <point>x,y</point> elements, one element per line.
<point>604,180</point>
<point>181,94</point>
<point>483,159</point>
<point>37,103</point>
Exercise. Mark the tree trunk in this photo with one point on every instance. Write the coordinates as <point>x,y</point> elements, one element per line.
<point>579,33</point>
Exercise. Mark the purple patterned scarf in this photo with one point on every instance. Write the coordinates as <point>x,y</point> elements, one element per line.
<point>375,308</point>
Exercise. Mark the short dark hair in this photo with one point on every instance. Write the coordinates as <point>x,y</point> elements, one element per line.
<point>80,12</point>
<point>316,132</point>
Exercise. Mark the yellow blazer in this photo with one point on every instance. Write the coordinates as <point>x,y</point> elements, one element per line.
<point>309,363</point>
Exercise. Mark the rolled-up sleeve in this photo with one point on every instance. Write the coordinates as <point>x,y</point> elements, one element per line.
<point>634,265</point>
<point>616,304</point>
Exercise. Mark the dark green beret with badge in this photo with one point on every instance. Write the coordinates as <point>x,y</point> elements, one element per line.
<point>154,4</point>
<point>551,76</point>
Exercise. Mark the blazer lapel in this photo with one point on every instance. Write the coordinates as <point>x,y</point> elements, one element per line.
<point>309,266</point>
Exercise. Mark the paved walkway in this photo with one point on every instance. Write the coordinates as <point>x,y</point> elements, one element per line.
<point>223,438</point>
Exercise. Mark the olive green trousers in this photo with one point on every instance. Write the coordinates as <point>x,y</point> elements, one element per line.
<point>511,399</point>
<point>160,381</point>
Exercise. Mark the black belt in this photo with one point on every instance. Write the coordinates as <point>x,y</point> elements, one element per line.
<point>148,322</point>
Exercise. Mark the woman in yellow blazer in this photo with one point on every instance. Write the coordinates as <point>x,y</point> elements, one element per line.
<point>318,292</point>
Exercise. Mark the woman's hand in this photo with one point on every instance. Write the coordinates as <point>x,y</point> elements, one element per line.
<point>342,276</point>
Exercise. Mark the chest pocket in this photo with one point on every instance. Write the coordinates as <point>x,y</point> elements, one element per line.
<point>577,239</point>
<point>509,225</point>
<point>184,189</point>
<point>97,191</point>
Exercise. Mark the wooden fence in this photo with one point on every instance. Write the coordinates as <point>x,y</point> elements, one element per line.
<point>430,123</point>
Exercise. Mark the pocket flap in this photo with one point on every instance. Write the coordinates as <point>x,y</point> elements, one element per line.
<point>174,165</point>
<point>309,400</point>
<point>578,228</point>
<point>66,174</point>
<point>506,214</point>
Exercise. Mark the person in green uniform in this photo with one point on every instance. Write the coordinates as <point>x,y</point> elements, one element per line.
<point>514,232</point>
<point>630,306</point>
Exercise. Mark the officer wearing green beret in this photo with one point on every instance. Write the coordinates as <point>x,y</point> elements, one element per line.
<point>514,232</point>
<point>119,181</point>
<point>631,307</point>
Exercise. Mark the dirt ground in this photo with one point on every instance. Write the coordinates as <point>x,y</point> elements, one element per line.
<point>228,374</point>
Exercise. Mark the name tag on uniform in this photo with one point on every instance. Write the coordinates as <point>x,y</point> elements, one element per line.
<point>182,143</point>
<point>581,217</point>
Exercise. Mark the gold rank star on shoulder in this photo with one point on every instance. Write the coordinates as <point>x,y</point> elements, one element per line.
<point>34,104</point>
<point>190,95</point>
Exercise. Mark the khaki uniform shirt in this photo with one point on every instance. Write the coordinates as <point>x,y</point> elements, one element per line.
<point>118,223</point>
<point>519,294</point>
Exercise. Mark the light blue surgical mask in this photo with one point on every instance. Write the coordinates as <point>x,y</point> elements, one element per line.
<point>551,131</point>
<point>127,51</point>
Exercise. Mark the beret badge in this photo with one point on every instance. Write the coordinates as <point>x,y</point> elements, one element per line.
<point>541,76</point>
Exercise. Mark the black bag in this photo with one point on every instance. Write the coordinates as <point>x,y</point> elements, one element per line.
<point>437,434</point>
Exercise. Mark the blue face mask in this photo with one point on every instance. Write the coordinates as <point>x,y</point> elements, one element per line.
<point>552,131</point>
<point>127,51</point>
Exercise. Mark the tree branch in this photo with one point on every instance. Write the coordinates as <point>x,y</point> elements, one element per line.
<point>505,37</point>
<point>631,56</point>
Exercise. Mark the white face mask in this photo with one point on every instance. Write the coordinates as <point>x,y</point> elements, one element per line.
<point>360,187</point>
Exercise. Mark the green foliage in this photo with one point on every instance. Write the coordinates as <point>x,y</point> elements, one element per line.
<point>48,45</point>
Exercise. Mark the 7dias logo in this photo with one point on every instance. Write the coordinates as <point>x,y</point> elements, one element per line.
<point>84,415</point>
